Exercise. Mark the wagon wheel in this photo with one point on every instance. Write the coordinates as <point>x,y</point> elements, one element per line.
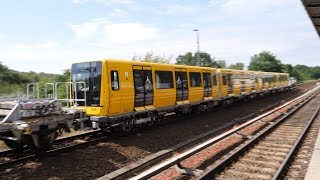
<point>14,145</point>
<point>127,125</point>
<point>152,117</point>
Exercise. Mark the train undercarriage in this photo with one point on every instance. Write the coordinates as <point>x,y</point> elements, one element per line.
<point>127,122</point>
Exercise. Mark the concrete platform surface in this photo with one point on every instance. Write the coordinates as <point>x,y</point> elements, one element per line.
<point>313,172</point>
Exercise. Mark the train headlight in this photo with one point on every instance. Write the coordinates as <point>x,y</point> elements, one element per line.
<point>27,130</point>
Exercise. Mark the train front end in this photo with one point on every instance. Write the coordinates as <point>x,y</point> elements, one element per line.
<point>86,78</point>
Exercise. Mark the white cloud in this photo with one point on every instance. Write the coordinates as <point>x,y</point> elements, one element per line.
<point>88,28</point>
<point>181,9</point>
<point>3,36</point>
<point>48,57</point>
<point>26,46</point>
<point>124,33</point>
<point>130,32</point>
<point>104,2</point>
<point>250,6</point>
<point>119,13</point>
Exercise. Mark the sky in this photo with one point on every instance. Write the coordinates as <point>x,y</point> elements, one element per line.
<point>50,35</point>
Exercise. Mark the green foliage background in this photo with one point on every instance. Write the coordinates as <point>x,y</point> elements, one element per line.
<point>14,82</point>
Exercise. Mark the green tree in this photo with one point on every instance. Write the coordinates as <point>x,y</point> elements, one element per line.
<point>288,68</point>
<point>192,59</point>
<point>265,61</point>
<point>316,73</point>
<point>221,64</point>
<point>304,70</point>
<point>238,66</point>
<point>186,59</point>
<point>65,77</point>
<point>150,57</point>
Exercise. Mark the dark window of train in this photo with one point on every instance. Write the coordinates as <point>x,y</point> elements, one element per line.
<point>214,78</point>
<point>207,80</point>
<point>224,79</point>
<point>195,79</point>
<point>114,80</point>
<point>164,79</point>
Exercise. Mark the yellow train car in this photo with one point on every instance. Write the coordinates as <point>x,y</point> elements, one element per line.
<point>255,85</point>
<point>122,93</point>
<point>283,80</point>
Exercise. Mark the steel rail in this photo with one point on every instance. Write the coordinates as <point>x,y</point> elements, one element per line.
<point>177,159</point>
<point>281,170</point>
<point>212,170</point>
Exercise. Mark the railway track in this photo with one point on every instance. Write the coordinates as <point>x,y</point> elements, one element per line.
<point>267,155</point>
<point>163,164</point>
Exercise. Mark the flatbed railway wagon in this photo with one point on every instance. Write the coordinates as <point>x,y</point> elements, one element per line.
<point>32,123</point>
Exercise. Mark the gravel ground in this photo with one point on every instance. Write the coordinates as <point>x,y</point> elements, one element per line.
<point>96,161</point>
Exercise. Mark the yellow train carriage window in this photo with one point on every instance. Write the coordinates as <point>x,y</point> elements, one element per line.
<point>164,79</point>
<point>195,79</point>
<point>114,80</point>
<point>214,78</point>
<point>224,79</point>
<point>207,80</point>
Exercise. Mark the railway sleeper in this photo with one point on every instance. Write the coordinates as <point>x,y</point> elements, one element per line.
<point>246,167</point>
<point>259,163</point>
<point>232,173</point>
<point>266,153</point>
<point>269,155</point>
<point>266,158</point>
<point>275,138</point>
<point>271,149</point>
<point>275,144</point>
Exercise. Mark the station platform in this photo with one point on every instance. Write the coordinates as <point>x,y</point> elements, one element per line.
<point>313,172</point>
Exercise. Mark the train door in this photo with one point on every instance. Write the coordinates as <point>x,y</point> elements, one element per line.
<point>223,85</point>
<point>230,83</point>
<point>114,92</point>
<point>182,84</point>
<point>262,81</point>
<point>253,81</point>
<point>143,86</point>
<point>207,84</point>
<point>215,85</point>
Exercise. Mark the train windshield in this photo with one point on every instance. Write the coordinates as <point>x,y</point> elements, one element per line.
<point>90,74</point>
